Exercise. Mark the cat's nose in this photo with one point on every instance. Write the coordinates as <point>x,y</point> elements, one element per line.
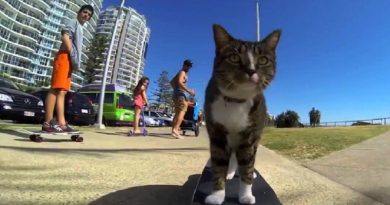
<point>250,72</point>
<point>253,75</point>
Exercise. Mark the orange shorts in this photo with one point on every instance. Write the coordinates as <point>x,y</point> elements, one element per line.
<point>62,71</point>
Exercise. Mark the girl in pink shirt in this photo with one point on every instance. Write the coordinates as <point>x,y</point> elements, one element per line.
<point>140,101</point>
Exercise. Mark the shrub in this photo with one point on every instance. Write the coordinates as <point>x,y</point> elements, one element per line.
<point>287,119</point>
<point>360,123</point>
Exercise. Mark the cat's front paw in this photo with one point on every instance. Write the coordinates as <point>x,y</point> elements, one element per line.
<point>247,199</point>
<point>254,175</point>
<point>217,197</point>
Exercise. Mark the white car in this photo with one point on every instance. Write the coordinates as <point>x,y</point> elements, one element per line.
<point>149,121</point>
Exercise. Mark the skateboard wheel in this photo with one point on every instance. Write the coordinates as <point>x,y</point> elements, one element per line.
<point>145,132</point>
<point>36,138</point>
<point>79,139</point>
<point>74,137</point>
<point>130,134</point>
<point>184,132</point>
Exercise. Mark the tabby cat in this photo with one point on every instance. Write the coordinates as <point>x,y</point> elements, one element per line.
<point>235,109</point>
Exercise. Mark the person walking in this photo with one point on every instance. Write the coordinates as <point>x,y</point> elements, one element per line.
<point>179,85</point>
<point>67,60</point>
<point>140,101</point>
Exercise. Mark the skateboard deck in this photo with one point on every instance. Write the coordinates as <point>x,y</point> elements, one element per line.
<point>260,189</point>
<point>36,135</point>
<point>143,133</point>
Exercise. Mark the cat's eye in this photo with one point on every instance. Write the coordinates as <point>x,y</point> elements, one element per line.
<point>262,60</point>
<point>234,58</point>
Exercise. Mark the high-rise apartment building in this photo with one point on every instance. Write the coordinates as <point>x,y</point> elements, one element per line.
<point>127,60</point>
<point>30,37</point>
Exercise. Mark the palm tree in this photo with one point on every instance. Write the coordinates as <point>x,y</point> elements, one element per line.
<point>95,55</point>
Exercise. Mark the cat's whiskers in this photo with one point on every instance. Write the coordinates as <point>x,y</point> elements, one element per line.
<point>229,85</point>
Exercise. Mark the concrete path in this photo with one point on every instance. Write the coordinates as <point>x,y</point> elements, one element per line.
<point>111,169</point>
<point>363,167</point>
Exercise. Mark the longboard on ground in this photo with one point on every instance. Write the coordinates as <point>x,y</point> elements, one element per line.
<point>37,135</point>
<point>260,189</point>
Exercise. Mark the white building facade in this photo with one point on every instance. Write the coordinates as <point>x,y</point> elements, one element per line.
<point>127,60</point>
<point>30,37</point>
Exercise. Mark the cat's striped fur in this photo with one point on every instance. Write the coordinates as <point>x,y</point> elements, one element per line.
<point>235,108</point>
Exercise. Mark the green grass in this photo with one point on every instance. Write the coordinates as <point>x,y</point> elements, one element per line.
<point>312,143</point>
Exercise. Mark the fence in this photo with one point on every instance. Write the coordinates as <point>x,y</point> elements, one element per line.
<point>374,121</point>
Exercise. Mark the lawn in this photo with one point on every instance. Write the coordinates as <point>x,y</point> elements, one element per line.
<point>311,143</point>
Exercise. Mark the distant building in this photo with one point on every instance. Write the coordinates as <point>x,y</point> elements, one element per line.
<point>127,60</point>
<point>30,37</point>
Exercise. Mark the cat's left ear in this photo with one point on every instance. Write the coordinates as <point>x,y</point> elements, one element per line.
<point>272,39</point>
<point>221,36</point>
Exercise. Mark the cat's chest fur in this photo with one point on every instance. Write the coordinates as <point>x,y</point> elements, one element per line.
<point>232,115</point>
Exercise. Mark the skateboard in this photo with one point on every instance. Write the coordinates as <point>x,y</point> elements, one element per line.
<point>260,189</point>
<point>143,133</point>
<point>36,135</point>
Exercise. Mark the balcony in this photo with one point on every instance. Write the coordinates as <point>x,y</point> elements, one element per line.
<point>33,6</point>
<point>21,44</point>
<point>59,4</point>
<point>25,22</point>
<point>42,3</point>
<point>26,12</point>
<point>57,13</point>
<point>15,65</point>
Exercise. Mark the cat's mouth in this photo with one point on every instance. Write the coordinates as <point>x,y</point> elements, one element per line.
<point>254,78</point>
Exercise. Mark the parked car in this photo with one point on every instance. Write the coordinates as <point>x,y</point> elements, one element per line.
<point>164,119</point>
<point>149,121</point>
<point>118,104</point>
<point>78,108</point>
<point>17,105</point>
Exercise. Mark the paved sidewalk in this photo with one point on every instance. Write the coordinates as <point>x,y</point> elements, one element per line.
<point>110,168</point>
<point>364,167</point>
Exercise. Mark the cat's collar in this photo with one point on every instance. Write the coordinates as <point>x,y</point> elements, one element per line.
<point>233,100</point>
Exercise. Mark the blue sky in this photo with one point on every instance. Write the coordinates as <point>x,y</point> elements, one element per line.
<point>333,54</point>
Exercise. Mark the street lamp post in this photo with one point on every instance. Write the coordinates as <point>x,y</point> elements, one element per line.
<point>257,20</point>
<point>99,123</point>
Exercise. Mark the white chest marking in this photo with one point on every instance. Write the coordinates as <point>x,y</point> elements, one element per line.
<point>233,116</point>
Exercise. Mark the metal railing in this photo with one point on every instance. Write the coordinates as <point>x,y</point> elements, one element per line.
<point>373,121</point>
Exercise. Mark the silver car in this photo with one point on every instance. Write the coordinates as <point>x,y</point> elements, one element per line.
<point>164,119</point>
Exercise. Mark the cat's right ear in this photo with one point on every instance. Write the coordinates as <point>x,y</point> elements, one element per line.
<point>221,36</point>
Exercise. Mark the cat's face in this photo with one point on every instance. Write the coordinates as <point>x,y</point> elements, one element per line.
<point>242,66</point>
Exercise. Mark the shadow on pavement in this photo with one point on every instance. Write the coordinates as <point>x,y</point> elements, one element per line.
<point>124,134</point>
<point>178,195</point>
<point>152,195</point>
<point>86,150</point>
<point>15,133</point>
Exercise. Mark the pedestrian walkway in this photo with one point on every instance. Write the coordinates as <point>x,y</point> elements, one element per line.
<point>364,167</point>
<point>111,168</point>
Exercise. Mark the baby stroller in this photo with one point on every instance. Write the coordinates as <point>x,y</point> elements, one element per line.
<point>191,119</point>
